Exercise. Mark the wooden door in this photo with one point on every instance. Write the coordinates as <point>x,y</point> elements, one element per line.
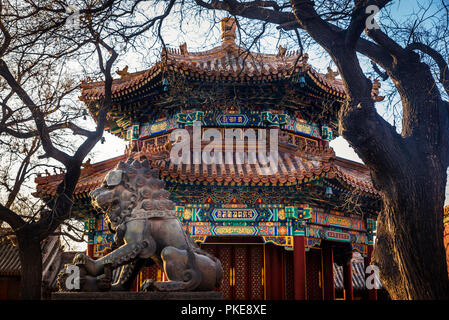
<point>242,270</point>
<point>314,275</point>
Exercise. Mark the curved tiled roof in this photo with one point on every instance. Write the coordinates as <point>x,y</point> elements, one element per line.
<point>226,62</point>
<point>51,252</point>
<point>294,168</point>
<point>333,86</point>
<point>95,90</point>
<point>9,260</point>
<point>91,178</point>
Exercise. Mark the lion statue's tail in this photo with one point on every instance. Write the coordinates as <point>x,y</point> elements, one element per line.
<point>218,266</point>
<point>192,276</point>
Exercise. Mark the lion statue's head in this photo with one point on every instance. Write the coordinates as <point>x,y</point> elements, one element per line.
<point>130,188</point>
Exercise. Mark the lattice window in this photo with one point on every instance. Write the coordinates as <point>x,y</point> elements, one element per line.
<point>256,273</point>
<point>224,255</point>
<point>240,276</point>
<point>314,275</point>
<point>289,276</point>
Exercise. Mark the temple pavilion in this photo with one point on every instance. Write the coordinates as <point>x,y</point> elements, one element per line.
<point>280,235</point>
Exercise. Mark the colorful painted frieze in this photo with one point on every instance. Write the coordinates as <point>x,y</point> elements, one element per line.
<point>230,214</point>
<point>302,128</point>
<point>150,129</point>
<point>335,234</point>
<point>286,242</point>
<point>132,132</point>
<point>337,221</point>
<point>274,118</point>
<point>189,118</point>
<point>232,120</point>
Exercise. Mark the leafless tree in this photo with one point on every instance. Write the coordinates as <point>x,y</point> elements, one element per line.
<point>34,43</point>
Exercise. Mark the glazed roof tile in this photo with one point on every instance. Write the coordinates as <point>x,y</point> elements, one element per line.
<point>10,260</point>
<point>226,62</point>
<point>294,168</point>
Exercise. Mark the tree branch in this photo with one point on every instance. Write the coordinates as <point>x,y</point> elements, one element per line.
<point>11,218</point>
<point>359,17</point>
<point>6,34</point>
<point>37,115</point>
<point>438,58</point>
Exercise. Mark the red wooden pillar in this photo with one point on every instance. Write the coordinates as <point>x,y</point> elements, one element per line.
<point>372,293</point>
<point>328,273</point>
<point>276,273</point>
<point>299,265</point>
<point>90,250</point>
<point>347,278</point>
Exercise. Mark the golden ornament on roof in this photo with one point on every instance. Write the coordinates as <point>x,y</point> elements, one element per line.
<point>123,73</point>
<point>331,74</point>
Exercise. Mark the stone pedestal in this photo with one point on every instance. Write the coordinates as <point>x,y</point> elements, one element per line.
<point>115,295</point>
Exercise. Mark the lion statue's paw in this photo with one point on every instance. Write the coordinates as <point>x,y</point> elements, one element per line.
<point>148,285</point>
<point>80,259</point>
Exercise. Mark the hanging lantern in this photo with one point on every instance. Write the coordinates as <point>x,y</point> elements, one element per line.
<point>302,81</point>
<point>329,192</point>
<point>165,84</point>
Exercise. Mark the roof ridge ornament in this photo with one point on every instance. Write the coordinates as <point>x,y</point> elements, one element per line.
<point>228,30</point>
<point>124,74</point>
<point>375,91</point>
<point>183,49</point>
<point>331,74</point>
<point>281,51</point>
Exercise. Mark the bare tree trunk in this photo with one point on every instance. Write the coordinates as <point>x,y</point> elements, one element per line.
<point>31,265</point>
<point>410,250</point>
<point>412,177</point>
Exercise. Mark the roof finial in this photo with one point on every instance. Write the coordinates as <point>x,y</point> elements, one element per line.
<point>123,73</point>
<point>183,49</point>
<point>375,91</point>
<point>228,28</point>
<point>331,74</point>
<point>281,51</point>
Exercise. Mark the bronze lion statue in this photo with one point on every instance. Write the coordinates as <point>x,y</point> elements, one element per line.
<point>147,231</point>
